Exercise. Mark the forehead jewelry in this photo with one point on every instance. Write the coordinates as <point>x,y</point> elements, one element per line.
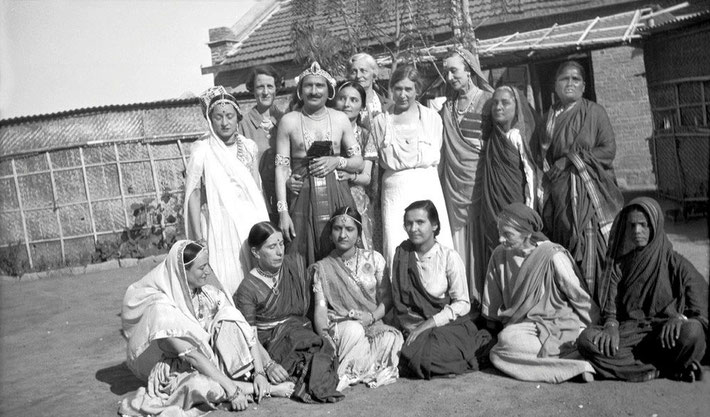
<point>196,256</point>
<point>315,69</point>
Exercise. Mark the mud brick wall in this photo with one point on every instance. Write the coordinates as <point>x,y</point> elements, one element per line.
<point>620,84</point>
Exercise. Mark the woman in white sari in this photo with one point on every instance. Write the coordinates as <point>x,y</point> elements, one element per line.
<point>223,172</point>
<point>194,349</point>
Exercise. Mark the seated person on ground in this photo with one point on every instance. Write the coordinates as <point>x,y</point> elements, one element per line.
<point>194,349</point>
<point>533,290</point>
<point>352,293</point>
<point>654,304</point>
<point>431,304</point>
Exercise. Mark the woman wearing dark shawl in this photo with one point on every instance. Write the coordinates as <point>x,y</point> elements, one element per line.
<point>580,192</point>
<point>431,305</point>
<point>508,174</point>
<point>534,292</point>
<point>654,304</point>
<point>464,115</point>
<point>275,298</point>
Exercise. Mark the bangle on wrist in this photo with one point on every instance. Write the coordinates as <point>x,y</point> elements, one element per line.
<point>342,162</point>
<point>281,206</point>
<point>257,373</point>
<point>269,364</point>
<point>372,316</point>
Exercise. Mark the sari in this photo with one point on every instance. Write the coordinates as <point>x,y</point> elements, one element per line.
<point>160,306</point>
<point>364,196</point>
<point>544,307</point>
<point>579,185</point>
<point>461,151</point>
<point>279,315</point>
<point>507,176</point>
<point>234,204</point>
<point>370,354</point>
<point>642,289</point>
<point>454,348</point>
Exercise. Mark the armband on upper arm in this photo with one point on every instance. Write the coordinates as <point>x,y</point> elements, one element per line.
<point>353,150</point>
<point>281,160</point>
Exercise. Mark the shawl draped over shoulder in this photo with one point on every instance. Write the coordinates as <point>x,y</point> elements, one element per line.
<point>651,282</point>
<point>234,204</point>
<point>158,306</point>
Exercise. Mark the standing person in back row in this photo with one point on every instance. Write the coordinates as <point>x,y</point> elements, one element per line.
<point>316,137</point>
<point>463,116</point>
<point>576,153</point>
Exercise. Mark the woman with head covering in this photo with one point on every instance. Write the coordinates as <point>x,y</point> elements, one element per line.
<point>259,125</point>
<point>654,304</point>
<point>275,297</point>
<point>533,292</point>
<point>431,305</point>
<point>223,174</point>
<point>576,153</point>
<point>464,115</point>
<point>362,68</point>
<point>507,172</point>
<point>188,342</point>
<point>352,293</point>
<point>408,141</point>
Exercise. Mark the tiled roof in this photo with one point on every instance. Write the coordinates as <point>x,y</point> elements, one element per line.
<point>168,118</point>
<point>271,42</point>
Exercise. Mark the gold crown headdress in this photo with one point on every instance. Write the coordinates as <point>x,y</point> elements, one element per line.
<point>225,99</point>
<point>315,69</point>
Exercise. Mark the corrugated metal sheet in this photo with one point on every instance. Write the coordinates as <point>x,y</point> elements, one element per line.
<point>272,41</point>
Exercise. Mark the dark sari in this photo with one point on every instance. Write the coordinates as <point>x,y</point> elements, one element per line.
<point>503,179</point>
<point>642,289</point>
<point>581,195</point>
<point>454,348</point>
<point>286,333</point>
<point>311,209</point>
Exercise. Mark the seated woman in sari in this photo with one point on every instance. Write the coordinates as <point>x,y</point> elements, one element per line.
<point>655,310</point>
<point>275,297</point>
<point>189,343</point>
<point>508,173</point>
<point>533,290</point>
<point>431,303</point>
<point>352,293</point>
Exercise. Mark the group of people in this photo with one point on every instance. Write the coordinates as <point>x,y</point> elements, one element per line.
<point>363,236</point>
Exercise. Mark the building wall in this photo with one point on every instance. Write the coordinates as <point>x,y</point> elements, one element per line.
<point>620,84</point>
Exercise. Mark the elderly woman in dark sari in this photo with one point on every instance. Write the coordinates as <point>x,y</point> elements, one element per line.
<point>431,304</point>
<point>654,304</point>
<point>464,115</point>
<point>275,298</point>
<point>576,154</point>
<point>508,173</point>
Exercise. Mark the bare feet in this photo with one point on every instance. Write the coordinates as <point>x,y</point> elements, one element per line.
<point>283,390</point>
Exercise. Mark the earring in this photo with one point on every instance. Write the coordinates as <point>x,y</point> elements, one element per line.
<point>298,94</point>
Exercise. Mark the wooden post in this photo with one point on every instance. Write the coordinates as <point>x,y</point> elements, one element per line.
<point>22,214</point>
<point>120,186</point>
<point>88,195</point>
<point>182,153</point>
<point>157,188</point>
<point>56,209</point>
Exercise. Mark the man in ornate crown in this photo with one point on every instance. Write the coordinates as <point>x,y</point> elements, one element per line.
<point>222,173</point>
<point>313,142</point>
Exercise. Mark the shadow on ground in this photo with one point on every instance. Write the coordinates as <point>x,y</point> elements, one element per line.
<point>119,378</point>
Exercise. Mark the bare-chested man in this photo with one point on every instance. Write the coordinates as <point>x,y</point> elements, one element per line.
<point>311,141</point>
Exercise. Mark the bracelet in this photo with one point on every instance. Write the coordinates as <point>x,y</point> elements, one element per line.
<point>235,395</point>
<point>257,373</point>
<point>269,364</point>
<point>372,316</point>
<point>281,206</point>
<point>342,162</point>
<point>280,160</point>
<point>355,177</point>
<point>611,323</point>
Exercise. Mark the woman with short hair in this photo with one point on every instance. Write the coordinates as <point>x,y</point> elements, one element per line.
<point>363,69</point>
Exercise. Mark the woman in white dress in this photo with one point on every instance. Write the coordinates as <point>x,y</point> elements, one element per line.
<point>408,139</point>
<point>223,173</point>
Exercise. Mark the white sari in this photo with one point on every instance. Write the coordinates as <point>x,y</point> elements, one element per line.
<point>234,204</point>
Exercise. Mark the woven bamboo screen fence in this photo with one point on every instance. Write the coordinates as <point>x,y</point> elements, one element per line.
<point>91,176</point>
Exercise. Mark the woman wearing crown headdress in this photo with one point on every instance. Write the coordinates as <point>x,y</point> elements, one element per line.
<point>222,173</point>
<point>313,142</point>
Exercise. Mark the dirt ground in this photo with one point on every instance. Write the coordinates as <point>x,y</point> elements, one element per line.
<point>62,355</point>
